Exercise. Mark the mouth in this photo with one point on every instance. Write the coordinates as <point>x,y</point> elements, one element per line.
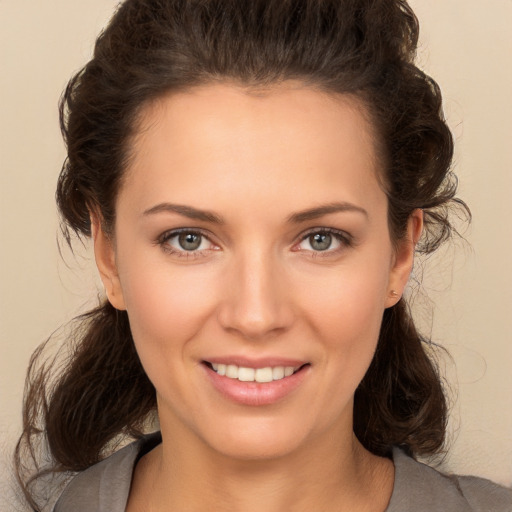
<point>247,374</point>
<point>256,383</point>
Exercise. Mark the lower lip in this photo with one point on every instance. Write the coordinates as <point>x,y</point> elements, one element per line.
<point>256,393</point>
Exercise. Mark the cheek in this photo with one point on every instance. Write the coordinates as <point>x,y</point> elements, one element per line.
<point>165,305</point>
<point>345,311</point>
<point>349,324</point>
<point>349,299</point>
<point>166,309</point>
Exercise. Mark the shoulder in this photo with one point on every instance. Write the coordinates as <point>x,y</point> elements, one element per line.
<point>106,485</point>
<point>421,488</point>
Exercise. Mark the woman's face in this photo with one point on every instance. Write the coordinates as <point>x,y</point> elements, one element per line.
<point>252,239</point>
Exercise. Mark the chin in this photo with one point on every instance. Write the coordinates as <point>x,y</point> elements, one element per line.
<point>250,439</point>
<point>258,447</point>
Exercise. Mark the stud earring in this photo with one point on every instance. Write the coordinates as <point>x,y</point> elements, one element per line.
<point>394,293</point>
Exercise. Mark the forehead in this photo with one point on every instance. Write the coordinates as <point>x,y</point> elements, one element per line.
<point>247,106</point>
<point>235,140</point>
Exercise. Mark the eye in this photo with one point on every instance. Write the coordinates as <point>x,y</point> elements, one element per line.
<point>320,241</point>
<point>324,240</point>
<point>189,241</point>
<point>185,242</point>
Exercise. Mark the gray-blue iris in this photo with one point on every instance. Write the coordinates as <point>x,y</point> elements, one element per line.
<point>320,241</point>
<point>189,241</point>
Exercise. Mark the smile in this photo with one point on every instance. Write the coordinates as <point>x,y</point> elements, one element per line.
<point>245,374</point>
<point>253,386</point>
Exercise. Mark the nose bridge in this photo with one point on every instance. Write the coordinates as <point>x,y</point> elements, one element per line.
<point>255,302</point>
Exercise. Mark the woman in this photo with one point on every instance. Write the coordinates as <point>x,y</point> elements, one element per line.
<point>256,177</point>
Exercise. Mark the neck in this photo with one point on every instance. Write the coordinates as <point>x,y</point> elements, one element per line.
<point>326,477</point>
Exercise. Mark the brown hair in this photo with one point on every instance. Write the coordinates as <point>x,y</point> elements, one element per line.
<point>150,47</point>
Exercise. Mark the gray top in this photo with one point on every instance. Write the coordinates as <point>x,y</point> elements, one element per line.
<point>105,486</point>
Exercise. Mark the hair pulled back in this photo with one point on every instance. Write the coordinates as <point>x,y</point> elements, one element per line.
<point>361,48</point>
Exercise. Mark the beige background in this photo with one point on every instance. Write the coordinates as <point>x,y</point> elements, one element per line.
<point>466,45</point>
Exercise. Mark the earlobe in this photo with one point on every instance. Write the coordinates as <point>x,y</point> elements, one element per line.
<point>404,258</point>
<point>106,262</point>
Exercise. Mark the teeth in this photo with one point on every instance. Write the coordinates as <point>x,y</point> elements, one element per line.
<point>245,374</point>
<point>264,375</point>
<point>232,371</point>
<point>278,372</point>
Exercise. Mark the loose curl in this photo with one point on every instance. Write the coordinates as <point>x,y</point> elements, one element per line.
<point>363,49</point>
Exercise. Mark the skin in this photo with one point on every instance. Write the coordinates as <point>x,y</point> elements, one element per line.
<point>256,287</point>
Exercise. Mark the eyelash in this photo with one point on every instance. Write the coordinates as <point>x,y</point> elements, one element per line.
<point>344,238</point>
<point>163,242</point>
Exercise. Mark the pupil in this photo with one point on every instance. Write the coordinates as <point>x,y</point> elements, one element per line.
<point>321,241</point>
<point>189,241</point>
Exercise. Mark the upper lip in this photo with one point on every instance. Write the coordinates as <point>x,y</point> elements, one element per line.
<point>259,362</point>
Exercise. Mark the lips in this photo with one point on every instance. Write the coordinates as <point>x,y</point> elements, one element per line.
<point>256,383</point>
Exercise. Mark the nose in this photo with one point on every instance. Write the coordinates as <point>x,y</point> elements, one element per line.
<point>256,301</point>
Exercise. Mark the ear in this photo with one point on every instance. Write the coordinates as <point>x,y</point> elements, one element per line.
<point>106,262</point>
<point>404,258</point>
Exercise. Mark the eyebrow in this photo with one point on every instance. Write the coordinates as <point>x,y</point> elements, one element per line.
<point>294,218</point>
<point>320,211</point>
<point>186,211</point>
